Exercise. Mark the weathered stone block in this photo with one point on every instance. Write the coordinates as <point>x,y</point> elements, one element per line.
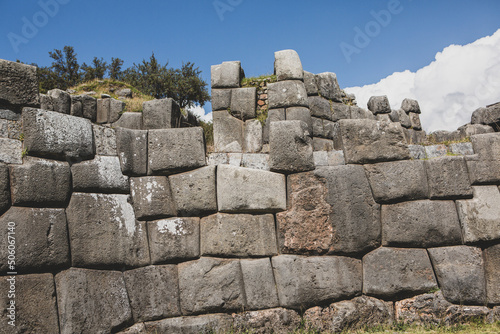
<point>461,148</point>
<point>360,113</point>
<point>153,292</point>
<point>480,216</point>
<point>396,272</point>
<point>161,114</point>
<point>102,174</point>
<point>46,102</point>
<point>252,136</point>
<point>89,107</point>
<point>139,328</point>
<point>398,180</point>
<point>404,119</point>
<point>320,107</point>
<point>104,140</point>
<point>448,178</point>
<point>211,285</point>
<point>255,161</point>
<point>244,102</point>
<point>35,304</point>
<point>272,116</point>
<point>289,93</point>
<point>435,151</point>
<point>310,83</point>
<point>487,146</point>
<point>421,224</point>
<point>243,235</point>
<point>115,110</point>
<point>492,273</point>
<point>41,236</point>
<point>208,323</point>
<point>152,197</point>
<point>489,115</point>
<point>340,111</point>
<point>304,281</point>
<point>300,114</point>
<point>52,134</point>
<point>468,130</point>
<point>460,273</point>
<point>4,188</point>
<point>367,141</point>
<point>175,150</point>
<point>11,151</point>
<point>111,218</point>
<point>394,115</point>
<point>82,308</point>
<point>317,127</point>
<point>18,85</point>
<point>426,309</point>
<point>276,320</point>
<point>483,171</point>
<point>194,192</point>
<point>40,181</point>
<point>417,152</point>
<point>260,288</point>
<point>227,75</point>
<point>328,86</point>
<point>228,132</point>
<point>383,118</point>
<point>132,148</point>
<point>76,105</point>
<point>221,99</point>
<point>287,65</point>
<point>379,105</point>
<point>129,120</point>
<point>174,239</point>
<point>409,105</point>
<point>61,100</point>
<point>321,144</point>
<point>415,121</point>
<point>249,190</point>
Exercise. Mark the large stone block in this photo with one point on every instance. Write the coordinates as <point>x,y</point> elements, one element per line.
<point>289,93</point>
<point>211,285</point>
<point>487,145</point>
<point>61,100</point>
<point>276,321</point>
<point>76,105</point>
<point>104,140</point>
<point>340,111</point>
<point>409,105</point>
<point>460,274</point>
<point>480,216</point>
<point>273,115</point>
<point>89,107</point>
<point>448,178</point>
<point>221,99</point>
<point>360,113</point>
<point>290,147</point>
<point>208,323</point>
<point>161,114</point>
<point>328,86</point>
<point>115,110</point>
<point>243,235</point>
<point>102,174</point>
<point>40,182</point>
<point>175,150</point>
<point>174,239</point>
<point>468,130</point>
<point>244,102</point>
<point>398,181</point>
<point>46,103</point>
<point>404,119</point>
<point>18,85</point>
<point>252,136</point>
<point>492,273</point>
<point>48,133</point>
<point>310,83</point>
<point>255,161</point>
<point>4,188</point>
<point>300,114</point>
<point>321,144</point>
<point>461,148</point>
<point>94,220</point>
<point>421,224</point>
<point>91,301</point>
<point>395,272</point>
<point>153,292</point>
<point>260,288</point>
<point>11,151</point>
<point>489,115</point>
<point>305,281</point>
<point>368,141</point>
<point>287,65</point>
<point>41,237</point>
<point>379,105</point>
<point>228,132</point>
<point>483,171</point>
<point>227,75</point>
<point>415,121</point>
<point>35,304</point>
<point>130,120</point>
<point>132,148</point>
<point>194,192</point>
<point>320,107</point>
<point>249,190</point>
<point>152,197</point>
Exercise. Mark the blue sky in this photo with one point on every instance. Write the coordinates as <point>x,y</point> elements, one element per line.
<point>208,32</point>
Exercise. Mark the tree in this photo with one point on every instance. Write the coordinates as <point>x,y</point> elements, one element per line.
<point>150,77</point>
<point>115,68</point>
<point>96,70</point>
<point>188,88</point>
<point>65,66</point>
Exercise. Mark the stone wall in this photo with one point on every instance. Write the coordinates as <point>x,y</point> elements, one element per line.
<point>129,226</point>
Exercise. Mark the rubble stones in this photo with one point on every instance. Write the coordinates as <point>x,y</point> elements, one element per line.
<point>152,197</point>
<point>161,114</point>
<point>287,65</point>
<point>132,148</point>
<point>209,323</point>
<point>426,309</point>
<point>276,320</point>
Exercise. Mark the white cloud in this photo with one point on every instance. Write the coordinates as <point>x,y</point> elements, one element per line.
<point>459,80</point>
<point>200,111</point>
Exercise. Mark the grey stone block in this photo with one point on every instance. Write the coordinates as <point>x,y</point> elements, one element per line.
<point>208,323</point>
<point>383,118</point>
<point>442,136</point>
<point>289,93</point>
<point>252,136</point>
<point>415,121</point>
<point>228,132</point>
<point>287,65</point>
<point>394,115</point>
<point>46,102</point>
<point>102,174</point>
<point>468,130</point>
<point>4,188</point>
<point>227,75</point>
<point>175,150</point>
<point>256,161</point>
<point>161,114</point>
<point>130,120</point>
<point>260,288</point>
<point>249,190</point>
<point>404,119</point>
<point>328,86</point>
<point>321,144</point>
<point>336,158</point>
<point>483,171</point>
<point>276,320</point>
<point>194,192</point>
<point>41,237</point>
<point>273,115</point>
<point>320,107</point>
<point>397,272</point>
<point>139,328</point>
<point>317,127</point>
<point>132,148</point>
<point>211,285</point>
<point>89,107</point>
<point>426,309</point>
<point>104,140</point>
<point>489,115</point>
<point>421,224</point>
<point>110,219</point>
<point>409,105</point>
<point>379,105</point>
<point>491,257</point>
<point>52,134</point>
<point>221,99</point>
<point>11,151</point>
<point>480,216</point>
<point>35,304</point>
<point>244,103</point>
<point>153,292</point>
<point>340,111</point>
<point>360,113</point>
<point>76,105</point>
<point>18,85</point>
<point>398,180</point>
<point>40,182</point>
<point>61,100</point>
<point>367,141</point>
<point>174,239</point>
<point>417,152</point>
<point>242,235</point>
<point>115,110</point>
<point>82,308</point>
<point>460,273</point>
<point>448,178</point>
<point>300,114</point>
<point>304,281</point>
<point>152,197</point>
<point>487,146</point>
<point>435,151</point>
<point>310,83</point>
<point>461,148</point>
